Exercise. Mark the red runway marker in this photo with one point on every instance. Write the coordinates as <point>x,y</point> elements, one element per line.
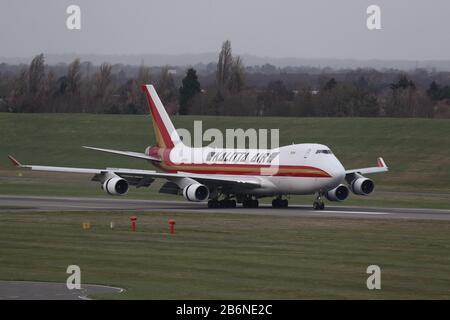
<point>172,226</point>
<point>133,223</point>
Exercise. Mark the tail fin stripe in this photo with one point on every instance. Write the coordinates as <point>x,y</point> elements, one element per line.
<point>381,163</point>
<point>165,132</point>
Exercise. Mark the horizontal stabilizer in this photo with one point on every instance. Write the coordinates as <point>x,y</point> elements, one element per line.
<point>14,161</point>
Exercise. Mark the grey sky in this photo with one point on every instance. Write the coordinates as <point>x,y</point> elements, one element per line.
<point>412,29</point>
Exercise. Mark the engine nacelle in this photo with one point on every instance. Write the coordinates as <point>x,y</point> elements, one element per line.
<point>362,186</point>
<point>115,186</point>
<point>196,192</point>
<point>340,193</point>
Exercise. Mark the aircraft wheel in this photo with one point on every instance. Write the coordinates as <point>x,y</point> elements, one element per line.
<point>228,203</point>
<point>249,203</point>
<point>279,203</point>
<point>275,203</point>
<point>213,204</point>
<point>316,205</point>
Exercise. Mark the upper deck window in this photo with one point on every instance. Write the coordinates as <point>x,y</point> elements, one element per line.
<point>324,151</point>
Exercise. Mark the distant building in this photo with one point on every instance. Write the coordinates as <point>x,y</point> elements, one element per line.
<point>313,92</point>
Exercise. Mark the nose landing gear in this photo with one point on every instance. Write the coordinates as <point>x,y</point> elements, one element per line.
<point>318,203</point>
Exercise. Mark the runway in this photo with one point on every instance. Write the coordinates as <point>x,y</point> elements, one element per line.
<point>34,203</point>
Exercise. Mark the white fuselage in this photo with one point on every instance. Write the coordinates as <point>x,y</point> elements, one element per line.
<point>294,169</point>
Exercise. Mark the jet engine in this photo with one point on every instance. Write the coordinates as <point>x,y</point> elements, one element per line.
<point>115,186</point>
<point>340,193</point>
<point>362,186</point>
<point>196,192</point>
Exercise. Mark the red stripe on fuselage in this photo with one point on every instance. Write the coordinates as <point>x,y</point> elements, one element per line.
<point>238,169</point>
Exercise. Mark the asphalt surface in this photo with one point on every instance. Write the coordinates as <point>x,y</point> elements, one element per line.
<point>34,203</point>
<point>30,290</point>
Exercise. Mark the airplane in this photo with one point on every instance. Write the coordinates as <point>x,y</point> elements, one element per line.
<point>224,177</point>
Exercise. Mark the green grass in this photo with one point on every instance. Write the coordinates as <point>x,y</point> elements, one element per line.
<point>218,256</point>
<point>416,150</point>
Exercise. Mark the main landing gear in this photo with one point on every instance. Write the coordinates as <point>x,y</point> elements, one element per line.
<point>250,203</point>
<point>278,202</point>
<point>318,203</point>
<point>225,203</point>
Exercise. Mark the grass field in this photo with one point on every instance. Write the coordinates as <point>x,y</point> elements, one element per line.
<point>217,256</point>
<point>220,256</point>
<point>416,150</point>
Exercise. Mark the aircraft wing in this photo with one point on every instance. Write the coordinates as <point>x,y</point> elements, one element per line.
<point>145,177</point>
<point>381,167</point>
<point>125,153</point>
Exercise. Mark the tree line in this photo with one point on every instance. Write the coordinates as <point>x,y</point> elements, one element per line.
<point>226,88</point>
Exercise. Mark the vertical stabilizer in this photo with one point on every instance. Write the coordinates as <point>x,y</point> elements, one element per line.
<point>166,135</point>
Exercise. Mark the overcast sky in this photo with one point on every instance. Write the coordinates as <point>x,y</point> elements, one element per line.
<point>411,29</point>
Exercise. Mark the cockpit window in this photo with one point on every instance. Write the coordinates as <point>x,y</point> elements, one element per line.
<point>324,151</point>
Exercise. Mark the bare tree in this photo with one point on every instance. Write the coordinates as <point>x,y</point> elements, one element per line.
<point>103,78</point>
<point>74,77</point>
<point>87,88</point>
<point>103,90</point>
<point>224,66</point>
<point>237,81</point>
<point>73,86</point>
<point>19,93</point>
<point>139,99</point>
<point>166,86</point>
<point>49,88</point>
<point>36,74</point>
